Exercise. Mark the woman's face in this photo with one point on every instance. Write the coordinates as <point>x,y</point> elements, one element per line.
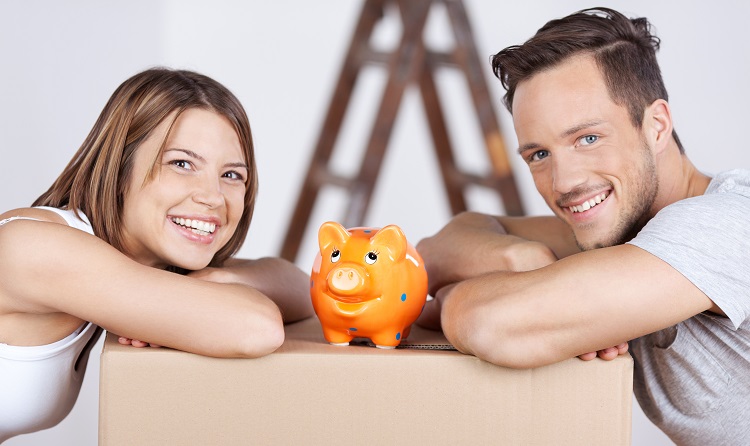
<point>191,207</point>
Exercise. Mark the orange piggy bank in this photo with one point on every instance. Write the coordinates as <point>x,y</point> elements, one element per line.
<point>367,282</point>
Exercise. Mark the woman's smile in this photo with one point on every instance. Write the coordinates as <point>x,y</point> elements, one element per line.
<point>195,229</point>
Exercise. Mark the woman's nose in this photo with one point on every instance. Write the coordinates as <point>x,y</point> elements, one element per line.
<point>208,192</point>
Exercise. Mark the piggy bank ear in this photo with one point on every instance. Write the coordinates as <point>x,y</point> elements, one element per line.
<point>393,239</point>
<point>331,233</point>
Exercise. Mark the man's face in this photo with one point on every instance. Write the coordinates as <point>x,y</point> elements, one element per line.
<point>594,169</point>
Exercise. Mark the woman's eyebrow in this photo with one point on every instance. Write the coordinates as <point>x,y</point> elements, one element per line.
<point>242,165</point>
<point>190,153</point>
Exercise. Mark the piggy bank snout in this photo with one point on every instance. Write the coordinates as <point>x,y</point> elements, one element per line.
<point>346,280</point>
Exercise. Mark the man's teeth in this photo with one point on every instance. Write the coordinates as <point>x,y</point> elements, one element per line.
<point>586,205</point>
<point>198,226</point>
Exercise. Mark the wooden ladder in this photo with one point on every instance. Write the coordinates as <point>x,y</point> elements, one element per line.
<point>411,63</point>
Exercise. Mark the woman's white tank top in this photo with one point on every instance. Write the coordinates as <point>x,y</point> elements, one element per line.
<point>39,385</point>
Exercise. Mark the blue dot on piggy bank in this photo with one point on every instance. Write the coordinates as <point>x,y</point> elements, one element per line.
<point>403,297</point>
<point>352,329</point>
<point>367,231</point>
<point>398,336</point>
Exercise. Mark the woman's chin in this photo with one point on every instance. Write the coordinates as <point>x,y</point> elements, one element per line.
<point>190,265</point>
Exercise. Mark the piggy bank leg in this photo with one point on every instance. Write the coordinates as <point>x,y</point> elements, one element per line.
<point>406,332</point>
<point>335,337</point>
<point>387,339</point>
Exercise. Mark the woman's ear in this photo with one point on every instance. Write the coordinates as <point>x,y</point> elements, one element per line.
<point>657,125</point>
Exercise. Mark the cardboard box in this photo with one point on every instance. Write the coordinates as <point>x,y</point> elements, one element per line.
<point>309,393</point>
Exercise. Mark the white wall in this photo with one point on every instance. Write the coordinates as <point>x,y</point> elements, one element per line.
<point>60,63</point>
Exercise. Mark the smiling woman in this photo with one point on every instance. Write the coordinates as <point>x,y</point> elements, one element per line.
<point>195,206</point>
<point>136,237</point>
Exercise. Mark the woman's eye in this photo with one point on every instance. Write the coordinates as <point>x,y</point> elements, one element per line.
<point>182,164</point>
<point>234,176</point>
<point>588,140</point>
<point>539,155</point>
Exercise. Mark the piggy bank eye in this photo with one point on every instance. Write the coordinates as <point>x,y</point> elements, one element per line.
<point>371,258</point>
<point>335,256</point>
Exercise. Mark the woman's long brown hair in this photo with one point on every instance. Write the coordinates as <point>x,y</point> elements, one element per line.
<point>96,179</point>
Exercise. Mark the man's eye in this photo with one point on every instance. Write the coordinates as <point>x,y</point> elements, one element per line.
<point>589,139</point>
<point>539,155</point>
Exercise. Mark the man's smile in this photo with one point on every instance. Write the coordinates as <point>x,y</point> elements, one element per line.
<point>588,204</point>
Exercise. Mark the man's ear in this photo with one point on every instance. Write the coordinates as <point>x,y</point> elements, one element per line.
<point>657,125</point>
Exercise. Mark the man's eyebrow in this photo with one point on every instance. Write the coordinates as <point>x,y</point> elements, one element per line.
<point>529,146</point>
<point>567,132</point>
<point>577,128</point>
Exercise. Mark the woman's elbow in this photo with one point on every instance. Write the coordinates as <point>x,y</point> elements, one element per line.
<point>263,335</point>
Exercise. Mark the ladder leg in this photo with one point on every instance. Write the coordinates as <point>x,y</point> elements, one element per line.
<point>372,11</point>
<point>468,59</point>
<point>409,63</point>
<point>403,68</point>
<point>441,139</point>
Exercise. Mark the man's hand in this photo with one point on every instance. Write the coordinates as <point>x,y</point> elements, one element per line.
<point>473,244</point>
<point>607,354</point>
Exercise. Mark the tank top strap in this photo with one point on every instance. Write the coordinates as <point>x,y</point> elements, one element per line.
<point>78,221</point>
<point>7,220</point>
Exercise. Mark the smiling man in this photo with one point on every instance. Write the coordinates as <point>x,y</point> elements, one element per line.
<point>643,247</point>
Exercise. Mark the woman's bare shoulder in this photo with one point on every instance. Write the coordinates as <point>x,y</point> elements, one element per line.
<point>35,213</point>
<point>44,256</point>
<point>38,238</point>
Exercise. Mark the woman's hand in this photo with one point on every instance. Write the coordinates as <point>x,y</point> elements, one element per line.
<point>135,343</point>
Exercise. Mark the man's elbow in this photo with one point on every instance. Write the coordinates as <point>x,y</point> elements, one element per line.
<point>490,337</point>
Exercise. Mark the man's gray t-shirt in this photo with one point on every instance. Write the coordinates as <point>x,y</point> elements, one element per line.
<point>693,379</point>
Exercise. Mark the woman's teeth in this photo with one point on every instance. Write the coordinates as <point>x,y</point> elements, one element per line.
<point>199,227</point>
<point>586,205</point>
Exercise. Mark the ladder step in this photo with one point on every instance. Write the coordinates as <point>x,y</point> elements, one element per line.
<point>410,64</point>
<point>464,179</point>
<point>327,177</point>
<point>434,58</point>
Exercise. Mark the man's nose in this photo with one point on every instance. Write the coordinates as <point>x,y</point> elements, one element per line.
<point>567,174</point>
